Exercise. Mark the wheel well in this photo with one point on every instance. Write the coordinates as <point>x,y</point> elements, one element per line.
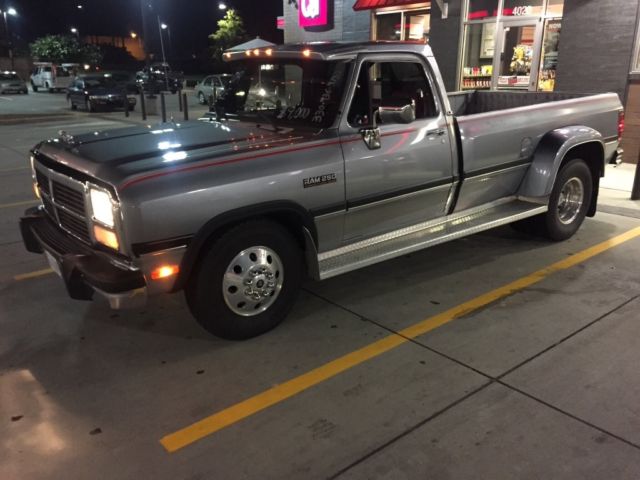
<point>292,220</point>
<point>593,155</point>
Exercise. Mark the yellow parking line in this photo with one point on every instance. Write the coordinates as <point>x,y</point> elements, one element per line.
<point>37,273</point>
<point>18,204</point>
<point>281,392</point>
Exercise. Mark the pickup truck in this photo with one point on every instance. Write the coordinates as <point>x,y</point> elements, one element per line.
<point>319,159</point>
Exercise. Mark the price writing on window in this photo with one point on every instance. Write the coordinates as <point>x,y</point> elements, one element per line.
<point>523,10</point>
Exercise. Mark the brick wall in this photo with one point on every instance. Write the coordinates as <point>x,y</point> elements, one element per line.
<point>444,38</point>
<point>631,137</point>
<point>596,43</point>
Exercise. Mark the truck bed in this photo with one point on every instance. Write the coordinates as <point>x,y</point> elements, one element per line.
<point>478,101</point>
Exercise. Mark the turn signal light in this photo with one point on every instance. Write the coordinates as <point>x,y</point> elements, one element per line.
<point>306,52</point>
<point>106,237</point>
<point>164,271</point>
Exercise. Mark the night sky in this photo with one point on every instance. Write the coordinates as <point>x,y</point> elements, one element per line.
<point>190,21</point>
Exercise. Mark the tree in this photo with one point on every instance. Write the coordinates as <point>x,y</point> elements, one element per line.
<point>65,48</point>
<point>230,32</point>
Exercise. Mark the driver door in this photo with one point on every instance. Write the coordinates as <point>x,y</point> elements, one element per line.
<point>406,177</point>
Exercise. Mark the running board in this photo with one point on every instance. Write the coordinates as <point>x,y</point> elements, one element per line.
<point>428,234</point>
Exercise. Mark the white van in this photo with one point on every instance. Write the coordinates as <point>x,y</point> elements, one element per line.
<point>52,77</point>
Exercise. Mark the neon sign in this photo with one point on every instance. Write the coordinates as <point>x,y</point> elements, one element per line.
<point>313,13</point>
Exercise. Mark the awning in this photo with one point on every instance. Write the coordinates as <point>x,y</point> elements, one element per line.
<point>371,4</point>
<point>251,44</point>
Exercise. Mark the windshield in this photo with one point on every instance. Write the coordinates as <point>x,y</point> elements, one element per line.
<point>99,82</point>
<point>9,76</point>
<point>292,92</point>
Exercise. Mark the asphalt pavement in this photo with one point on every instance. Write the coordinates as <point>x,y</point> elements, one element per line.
<point>497,356</point>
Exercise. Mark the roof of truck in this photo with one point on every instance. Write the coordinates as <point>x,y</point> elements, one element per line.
<point>331,50</point>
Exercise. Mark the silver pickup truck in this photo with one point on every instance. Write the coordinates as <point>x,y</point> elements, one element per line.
<point>319,159</point>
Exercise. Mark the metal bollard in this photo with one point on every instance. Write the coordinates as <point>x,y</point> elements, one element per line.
<point>186,107</point>
<point>143,107</point>
<point>180,99</point>
<point>126,103</point>
<point>163,106</point>
<point>635,191</point>
<point>211,103</point>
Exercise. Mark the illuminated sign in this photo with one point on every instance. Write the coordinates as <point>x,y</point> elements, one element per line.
<point>313,13</point>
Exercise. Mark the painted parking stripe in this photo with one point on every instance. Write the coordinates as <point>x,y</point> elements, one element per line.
<point>30,275</point>
<point>16,169</point>
<point>18,204</point>
<point>235,413</point>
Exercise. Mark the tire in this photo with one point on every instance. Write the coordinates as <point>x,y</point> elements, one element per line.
<point>201,98</point>
<point>35,89</point>
<point>215,293</point>
<point>72,105</point>
<point>562,219</point>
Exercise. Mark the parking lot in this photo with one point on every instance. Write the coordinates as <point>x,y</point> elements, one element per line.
<point>496,356</point>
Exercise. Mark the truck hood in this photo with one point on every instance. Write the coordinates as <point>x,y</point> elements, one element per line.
<point>116,155</point>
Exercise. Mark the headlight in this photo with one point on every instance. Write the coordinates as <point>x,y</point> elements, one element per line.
<point>102,207</point>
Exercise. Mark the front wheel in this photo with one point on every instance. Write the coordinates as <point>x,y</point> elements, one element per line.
<point>247,281</point>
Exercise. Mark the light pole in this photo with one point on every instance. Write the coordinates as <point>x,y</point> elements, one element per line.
<point>9,11</point>
<point>163,26</point>
<point>145,44</point>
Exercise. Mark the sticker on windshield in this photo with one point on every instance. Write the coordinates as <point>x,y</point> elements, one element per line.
<point>319,180</point>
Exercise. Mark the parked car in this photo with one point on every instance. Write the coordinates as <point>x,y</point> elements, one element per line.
<point>213,85</point>
<point>159,77</point>
<point>98,90</point>
<point>51,76</point>
<point>10,82</point>
<point>339,156</point>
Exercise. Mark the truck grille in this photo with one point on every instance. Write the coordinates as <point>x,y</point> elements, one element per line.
<point>65,205</point>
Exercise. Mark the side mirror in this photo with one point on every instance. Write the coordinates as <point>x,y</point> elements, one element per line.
<point>403,114</point>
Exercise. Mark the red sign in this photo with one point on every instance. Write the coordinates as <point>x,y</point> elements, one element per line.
<point>313,13</point>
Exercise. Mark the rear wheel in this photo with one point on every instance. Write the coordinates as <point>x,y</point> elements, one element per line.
<point>35,89</point>
<point>247,281</point>
<point>568,203</point>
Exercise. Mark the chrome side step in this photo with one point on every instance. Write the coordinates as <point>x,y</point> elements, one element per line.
<point>428,234</point>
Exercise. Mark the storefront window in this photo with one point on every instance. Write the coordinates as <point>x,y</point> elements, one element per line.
<point>416,25</point>
<point>515,63</point>
<point>554,8</point>
<point>389,26</point>
<point>478,57</point>
<point>480,9</point>
<point>404,25</point>
<point>522,8</point>
<point>549,61</point>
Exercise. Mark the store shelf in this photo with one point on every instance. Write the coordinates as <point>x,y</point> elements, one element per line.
<point>476,76</point>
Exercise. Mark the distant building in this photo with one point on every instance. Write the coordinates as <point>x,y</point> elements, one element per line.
<point>133,44</point>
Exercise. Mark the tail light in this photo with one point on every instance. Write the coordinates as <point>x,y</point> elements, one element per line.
<point>620,124</point>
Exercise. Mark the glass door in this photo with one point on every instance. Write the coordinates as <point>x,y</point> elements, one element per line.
<point>516,65</point>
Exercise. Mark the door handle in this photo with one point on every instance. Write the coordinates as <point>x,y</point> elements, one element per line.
<point>437,132</point>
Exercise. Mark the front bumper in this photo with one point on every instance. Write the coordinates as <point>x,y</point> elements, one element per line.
<point>84,271</point>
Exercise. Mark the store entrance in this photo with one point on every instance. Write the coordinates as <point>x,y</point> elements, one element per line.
<point>516,66</point>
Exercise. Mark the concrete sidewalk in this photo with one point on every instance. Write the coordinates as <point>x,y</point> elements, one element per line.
<point>615,191</point>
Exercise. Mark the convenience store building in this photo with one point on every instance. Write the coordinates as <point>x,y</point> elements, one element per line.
<point>525,45</point>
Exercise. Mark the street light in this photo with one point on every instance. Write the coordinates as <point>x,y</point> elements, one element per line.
<point>163,26</point>
<point>12,12</point>
<point>80,7</point>
<point>134,35</point>
<point>75,31</point>
<point>222,6</point>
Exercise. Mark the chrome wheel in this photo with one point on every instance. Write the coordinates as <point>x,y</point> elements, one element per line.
<point>570,200</point>
<point>252,281</point>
